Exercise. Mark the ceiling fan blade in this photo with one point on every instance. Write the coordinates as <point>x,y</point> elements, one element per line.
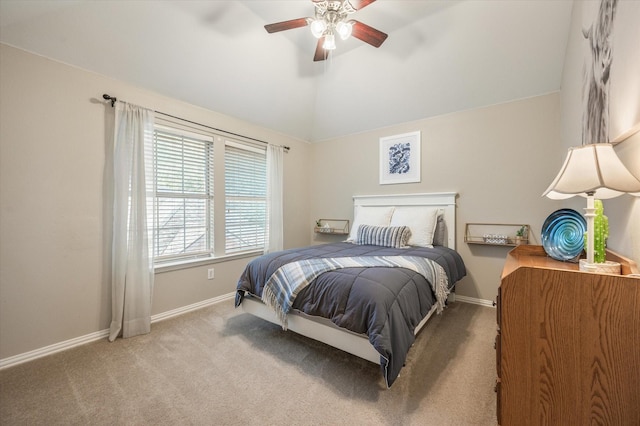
<point>368,34</point>
<point>286,25</point>
<point>321,54</point>
<point>359,4</point>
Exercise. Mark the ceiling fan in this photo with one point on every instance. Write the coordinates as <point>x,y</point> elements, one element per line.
<point>331,19</point>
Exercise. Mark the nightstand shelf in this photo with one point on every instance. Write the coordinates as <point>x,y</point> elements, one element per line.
<point>332,227</point>
<point>496,234</point>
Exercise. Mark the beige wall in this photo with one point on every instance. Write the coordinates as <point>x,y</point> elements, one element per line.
<point>53,277</point>
<point>53,284</point>
<point>495,158</point>
<point>624,211</point>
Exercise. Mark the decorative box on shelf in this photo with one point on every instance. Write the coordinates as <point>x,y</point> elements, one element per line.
<point>332,226</point>
<point>496,234</point>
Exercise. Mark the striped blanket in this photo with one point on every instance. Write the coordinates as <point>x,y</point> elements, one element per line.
<point>287,281</point>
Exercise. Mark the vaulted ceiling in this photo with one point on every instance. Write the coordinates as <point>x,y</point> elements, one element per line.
<point>440,57</point>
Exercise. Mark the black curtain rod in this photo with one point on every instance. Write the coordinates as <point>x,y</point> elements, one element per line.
<point>114,100</point>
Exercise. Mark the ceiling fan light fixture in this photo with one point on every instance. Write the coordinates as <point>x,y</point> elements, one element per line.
<point>344,29</point>
<point>318,28</point>
<point>329,42</point>
<point>331,19</point>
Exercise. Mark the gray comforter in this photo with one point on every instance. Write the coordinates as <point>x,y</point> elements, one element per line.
<point>386,304</point>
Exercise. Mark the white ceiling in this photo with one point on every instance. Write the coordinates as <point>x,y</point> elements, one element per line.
<point>440,57</point>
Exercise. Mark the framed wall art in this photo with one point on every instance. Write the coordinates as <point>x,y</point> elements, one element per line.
<point>611,93</point>
<point>400,158</point>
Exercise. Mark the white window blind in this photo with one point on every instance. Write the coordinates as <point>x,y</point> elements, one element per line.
<point>245,197</point>
<point>183,208</point>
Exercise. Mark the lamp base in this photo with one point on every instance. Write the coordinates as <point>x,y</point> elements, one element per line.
<point>607,267</point>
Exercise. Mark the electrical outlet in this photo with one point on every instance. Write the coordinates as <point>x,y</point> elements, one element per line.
<point>210,274</point>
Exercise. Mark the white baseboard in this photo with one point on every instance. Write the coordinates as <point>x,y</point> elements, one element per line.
<point>92,337</point>
<point>52,349</point>
<point>199,305</point>
<point>473,300</point>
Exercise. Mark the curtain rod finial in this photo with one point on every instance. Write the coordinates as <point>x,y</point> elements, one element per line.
<point>109,98</point>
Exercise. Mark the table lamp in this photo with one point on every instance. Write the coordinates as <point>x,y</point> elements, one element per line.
<point>592,171</point>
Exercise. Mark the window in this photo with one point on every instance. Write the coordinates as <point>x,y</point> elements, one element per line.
<point>183,205</point>
<point>184,214</point>
<point>245,181</point>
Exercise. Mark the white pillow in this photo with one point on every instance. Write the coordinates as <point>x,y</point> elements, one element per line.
<point>375,216</point>
<point>421,220</point>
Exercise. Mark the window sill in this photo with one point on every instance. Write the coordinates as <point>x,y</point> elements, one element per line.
<point>194,263</point>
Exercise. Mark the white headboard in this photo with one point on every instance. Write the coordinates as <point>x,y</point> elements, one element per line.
<point>443,200</point>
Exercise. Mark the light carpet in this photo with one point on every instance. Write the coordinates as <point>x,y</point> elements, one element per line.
<point>220,366</point>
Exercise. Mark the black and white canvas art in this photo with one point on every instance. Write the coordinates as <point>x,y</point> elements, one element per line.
<point>611,84</point>
<point>400,158</point>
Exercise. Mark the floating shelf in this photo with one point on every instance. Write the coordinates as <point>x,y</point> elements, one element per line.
<point>332,226</point>
<point>496,234</point>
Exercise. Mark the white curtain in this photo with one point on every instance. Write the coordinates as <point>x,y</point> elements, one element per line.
<point>132,258</point>
<point>275,234</point>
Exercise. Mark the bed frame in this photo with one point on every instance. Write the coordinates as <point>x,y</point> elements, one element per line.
<point>324,330</point>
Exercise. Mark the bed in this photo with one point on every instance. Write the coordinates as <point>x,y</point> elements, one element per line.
<point>371,294</point>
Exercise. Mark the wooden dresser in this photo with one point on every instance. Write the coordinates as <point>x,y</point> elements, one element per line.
<point>568,343</point>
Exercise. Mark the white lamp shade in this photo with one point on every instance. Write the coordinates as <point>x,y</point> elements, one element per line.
<point>317,28</point>
<point>329,42</point>
<point>595,169</point>
<point>344,29</point>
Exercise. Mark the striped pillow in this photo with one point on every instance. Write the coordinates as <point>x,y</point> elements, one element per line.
<point>385,236</point>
